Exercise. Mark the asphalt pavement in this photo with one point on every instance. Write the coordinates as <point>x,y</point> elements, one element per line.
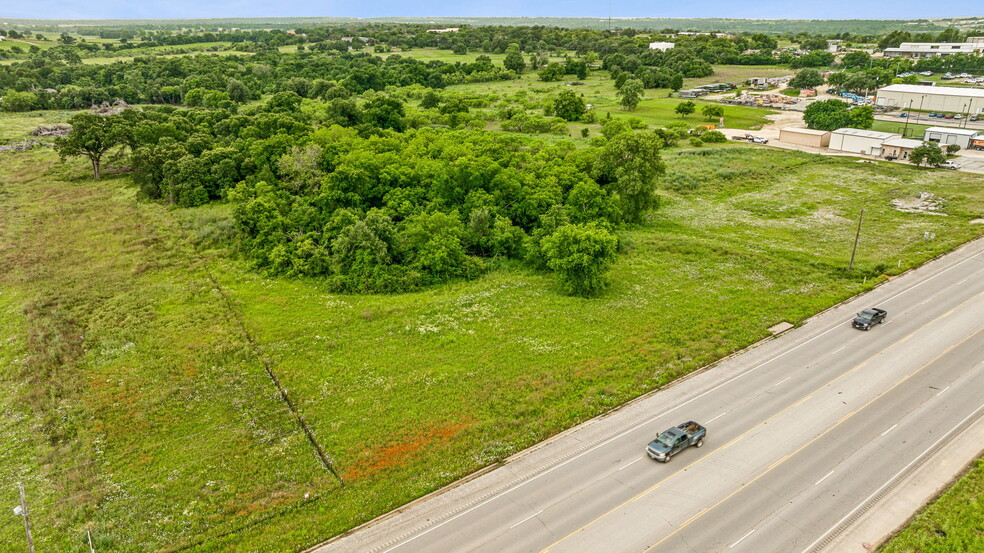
<point>806,433</point>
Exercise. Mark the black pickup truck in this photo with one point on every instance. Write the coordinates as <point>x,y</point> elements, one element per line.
<point>869,318</point>
<point>675,440</point>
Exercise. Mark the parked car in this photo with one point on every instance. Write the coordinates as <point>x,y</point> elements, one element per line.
<point>675,440</point>
<point>903,114</point>
<point>974,118</point>
<point>948,116</point>
<point>948,165</point>
<point>891,158</point>
<point>869,318</point>
<point>932,114</point>
<point>760,140</point>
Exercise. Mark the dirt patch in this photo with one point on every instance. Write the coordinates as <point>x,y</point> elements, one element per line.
<point>372,461</point>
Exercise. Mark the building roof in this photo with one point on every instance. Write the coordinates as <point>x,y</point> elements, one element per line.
<point>903,143</point>
<point>951,130</point>
<point>937,90</point>
<point>799,130</point>
<point>867,134</point>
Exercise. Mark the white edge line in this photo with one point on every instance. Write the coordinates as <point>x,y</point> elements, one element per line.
<point>625,466</point>
<point>817,483</point>
<point>717,417</point>
<point>741,538</point>
<point>606,442</point>
<point>838,349</point>
<point>834,327</point>
<point>534,515</point>
<point>889,481</point>
<point>781,381</point>
<point>943,390</point>
<point>889,430</point>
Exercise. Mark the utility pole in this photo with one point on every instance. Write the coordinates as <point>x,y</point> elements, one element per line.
<point>907,117</point>
<point>856,237</point>
<point>27,520</point>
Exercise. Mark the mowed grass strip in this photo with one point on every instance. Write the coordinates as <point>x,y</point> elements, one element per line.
<point>134,408</point>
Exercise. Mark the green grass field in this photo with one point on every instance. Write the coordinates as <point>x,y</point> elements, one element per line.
<point>655,110</point>
<point>912,130</point>
<point>953,523</point>
<point>123,342</point>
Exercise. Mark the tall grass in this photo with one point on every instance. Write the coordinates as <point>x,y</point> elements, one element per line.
<point>137,409</point>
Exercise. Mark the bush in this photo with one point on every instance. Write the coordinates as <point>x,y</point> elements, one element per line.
<point>696,141</point>
<point>714,137</point>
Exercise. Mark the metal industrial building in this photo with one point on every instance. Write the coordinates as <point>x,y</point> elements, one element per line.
<point>945,136</point>
<point>860,141</point>
<point>922,50</point>
<point>805,137</point>
<point>948,99</point>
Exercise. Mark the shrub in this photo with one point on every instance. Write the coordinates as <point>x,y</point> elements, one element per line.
<point>713,137</point>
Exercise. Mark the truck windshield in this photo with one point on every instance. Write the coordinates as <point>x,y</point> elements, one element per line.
<point>665,439</point>
<point>864,315</point>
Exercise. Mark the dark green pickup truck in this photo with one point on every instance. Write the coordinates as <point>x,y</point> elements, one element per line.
<point>675,440</point>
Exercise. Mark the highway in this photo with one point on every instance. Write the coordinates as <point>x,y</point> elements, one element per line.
<point>804,432</point>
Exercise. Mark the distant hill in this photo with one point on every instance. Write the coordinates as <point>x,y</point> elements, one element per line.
<point>825,26</point>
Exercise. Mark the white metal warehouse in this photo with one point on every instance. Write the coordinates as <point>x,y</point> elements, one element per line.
<point>860,141</point>
<point>948,135</point>
<point>950,99</point>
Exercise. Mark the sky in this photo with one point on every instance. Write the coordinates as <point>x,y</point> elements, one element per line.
<point>761,9</point>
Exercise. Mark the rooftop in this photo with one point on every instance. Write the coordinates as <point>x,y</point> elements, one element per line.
<point>867,134</point>
<point>904,143</point>
<point>937,90</point>
<point>817,132</point>
<point>952,130</point>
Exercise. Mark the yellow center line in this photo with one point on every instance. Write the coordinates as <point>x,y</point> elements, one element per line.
<point>766,421</point>
<point>811,442</point>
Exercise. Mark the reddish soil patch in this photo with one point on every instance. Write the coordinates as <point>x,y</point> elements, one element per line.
<point>372,461</point>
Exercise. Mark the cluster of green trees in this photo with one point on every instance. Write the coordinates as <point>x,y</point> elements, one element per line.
<point>375,206</point>
<point>829,115</point>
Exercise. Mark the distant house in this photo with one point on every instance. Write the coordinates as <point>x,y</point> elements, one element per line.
<point>661,46</point>
<point>448,30</point>
<point>900,148</point>
<point>2,38</point>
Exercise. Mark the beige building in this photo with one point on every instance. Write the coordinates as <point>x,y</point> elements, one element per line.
<point>949,99</point>
<point>805,137</point>
<point>900,148</point>
<point>860,141</point>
